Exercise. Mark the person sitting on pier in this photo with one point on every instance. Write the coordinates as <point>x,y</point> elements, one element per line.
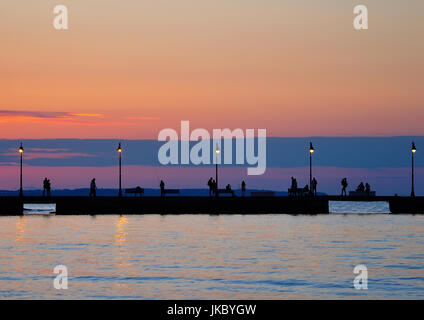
<point>93,188</point>
<point>361,187</point>
<point>344,186</point>
<point>306,189</point>
<point>314,186</point>
<point>367,189</point>
<point>162,188</point>
<point>243,188</point>
<point>229,190</point>
<point>210,185</point>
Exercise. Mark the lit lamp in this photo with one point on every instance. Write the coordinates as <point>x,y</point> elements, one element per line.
<point>413,150</point>
<point>21,153</point>
<point>119,149</point>
<point>217,152</point>
<point>311,151</point>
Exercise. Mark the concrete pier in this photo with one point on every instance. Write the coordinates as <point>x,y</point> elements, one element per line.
<point>401,205</point>
<point>169,205</point>
<point>201,205</point>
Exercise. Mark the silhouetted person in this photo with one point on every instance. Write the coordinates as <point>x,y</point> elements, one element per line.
<point>45,183</point>
<point>210,185</point>
<point>314,186</point>
<point>162,188</point>
<point>306,189</point>
<point>344,186</point>
<point>293,186</point>
<point>214,190</point>
<point>228,189</point>
<point>361,187</point>
<point>243,188</point>
<point>367,189</point>
<point>293,183</point>
<point>48,188</point>
<point>93,188</point>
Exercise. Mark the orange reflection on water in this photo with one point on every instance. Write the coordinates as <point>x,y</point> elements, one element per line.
<point>20,229</point>
<point>216,257</point>
<point>120,236</point>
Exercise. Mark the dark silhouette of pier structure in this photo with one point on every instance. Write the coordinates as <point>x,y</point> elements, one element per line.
<point>258,203</point>
<point>78,205</point>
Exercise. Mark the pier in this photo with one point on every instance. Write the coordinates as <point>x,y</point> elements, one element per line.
<point>72,205</point>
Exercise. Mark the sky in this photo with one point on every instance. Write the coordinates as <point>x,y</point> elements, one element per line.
<point>125,70</point>
<point>384,162</point>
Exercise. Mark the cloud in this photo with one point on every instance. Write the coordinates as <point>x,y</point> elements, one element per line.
<point>45,114</point>
<point>72,118</point>
<point>34,114</point>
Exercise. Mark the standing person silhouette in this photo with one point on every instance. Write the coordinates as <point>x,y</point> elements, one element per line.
<point>93,188</point>
<point>214,187</point>
<point>162,188</point>
<point>243,188</point>
<point>344,186</point>
<point>210,185</point>
<point>48,188</point>
<point>45,182</point>
<point>314,186</point>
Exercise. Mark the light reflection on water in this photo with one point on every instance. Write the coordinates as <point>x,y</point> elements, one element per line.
<point>212,257</point>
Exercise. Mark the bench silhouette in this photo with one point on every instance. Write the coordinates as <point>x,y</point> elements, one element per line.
<point>226,191</point>
<point>361,194</point>
<point>135,191</point>
<point>297,191</point>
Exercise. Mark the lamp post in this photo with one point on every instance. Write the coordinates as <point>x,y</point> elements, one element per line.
<point>217,152</point>
<point>119,149</point>
<point>311,151</point>
<point>21,152</point>
<point>413,150</point>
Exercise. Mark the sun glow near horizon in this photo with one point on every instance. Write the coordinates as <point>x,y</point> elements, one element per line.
<point>130,71</point>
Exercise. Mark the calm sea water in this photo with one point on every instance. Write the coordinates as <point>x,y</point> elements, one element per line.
<point>214,257</point>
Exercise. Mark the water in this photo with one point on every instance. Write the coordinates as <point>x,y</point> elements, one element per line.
<point>212,257</point>
<point>362,207</point>
<point>39,208</point>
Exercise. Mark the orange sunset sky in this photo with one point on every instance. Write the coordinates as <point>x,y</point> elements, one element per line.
<point>127,69</point>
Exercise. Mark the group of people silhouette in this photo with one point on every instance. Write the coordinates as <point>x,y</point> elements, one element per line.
<point>365,188</point>
<point>313,190</point>
<point>361,187</point>
<point>213,188</point>
<point>46,187</point>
